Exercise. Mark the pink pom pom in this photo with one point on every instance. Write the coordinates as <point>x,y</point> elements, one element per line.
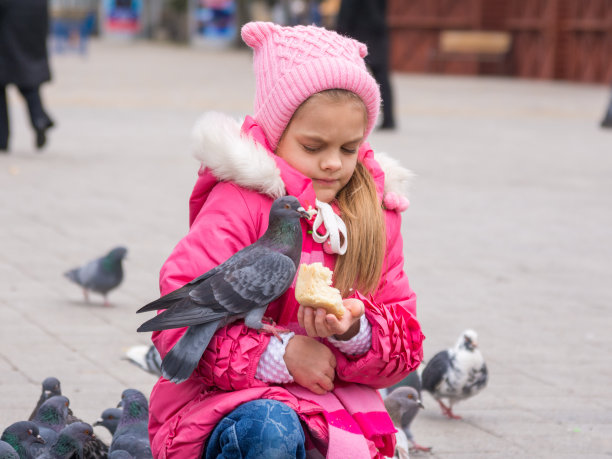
<point>394,201</point>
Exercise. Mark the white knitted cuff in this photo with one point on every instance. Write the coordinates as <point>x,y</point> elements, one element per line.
<point>358,344</point>
<point>271,367</point>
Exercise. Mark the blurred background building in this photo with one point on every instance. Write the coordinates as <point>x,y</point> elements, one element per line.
<point>547,39</point>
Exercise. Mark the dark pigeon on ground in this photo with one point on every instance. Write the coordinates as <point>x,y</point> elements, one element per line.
<point>456,373</point>
<point>70,441</point>
<point>146,358</point>
<point>7,451</point>
<point>134,423</point>
<point>22,436</point>
<point>241,287</point>
<point>51,418</point>
<point>120,454</point>
<point>100,275</point>
<point>50,387</point>
<point>110,419</point>
<point>403,404</point>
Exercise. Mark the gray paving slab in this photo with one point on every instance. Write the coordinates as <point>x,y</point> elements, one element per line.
<point>508,233</point>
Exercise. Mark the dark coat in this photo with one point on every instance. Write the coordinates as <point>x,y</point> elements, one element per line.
<point>365,21</point>
<point>24,26</point>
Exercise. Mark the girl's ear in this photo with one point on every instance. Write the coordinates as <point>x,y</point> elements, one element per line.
<point>255,33</point>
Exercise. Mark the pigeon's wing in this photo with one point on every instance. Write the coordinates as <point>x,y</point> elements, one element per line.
<point>253,281</point>
<point>183,314</point>
<point>84,274</point>
<point>435,370</point>
<point>171,298</point>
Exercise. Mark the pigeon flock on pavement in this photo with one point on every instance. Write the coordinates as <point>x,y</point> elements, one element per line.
<point>53,432</point>
<point>212,300</point>
<point>204,305</point>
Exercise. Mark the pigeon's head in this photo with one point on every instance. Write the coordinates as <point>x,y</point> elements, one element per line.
<point>468,340</point>
<point>21,435</point>
<point>288,207</point>
<point>72,438</point>
<point>408,397</point>
<point>51,386</point>
<point>110,418</point>
<point>117,254</point>
<point>134,404</point>
<point>53,411</point>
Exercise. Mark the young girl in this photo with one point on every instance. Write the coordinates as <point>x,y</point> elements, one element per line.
<point>314,393</point>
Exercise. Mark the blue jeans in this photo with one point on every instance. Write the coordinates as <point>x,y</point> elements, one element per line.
<point>265,429</point>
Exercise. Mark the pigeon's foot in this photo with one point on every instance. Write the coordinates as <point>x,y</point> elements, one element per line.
<point>448,411</point>
<point>86,295</point>
<point>269,326</point>
<point>417,447</point>
<point>106,303</point>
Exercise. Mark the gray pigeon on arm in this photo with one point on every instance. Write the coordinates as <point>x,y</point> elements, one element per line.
<point>7,451</point>
<point>403,404</point>
<point>50,387</point>
<point>100,275</point>
<point>145,357</point>
<point>239,288</point>
<point>110,419</point>
<point>22,436</point>
<point>456,373</point>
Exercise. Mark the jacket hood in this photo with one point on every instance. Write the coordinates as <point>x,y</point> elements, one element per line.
<point>231,152</point>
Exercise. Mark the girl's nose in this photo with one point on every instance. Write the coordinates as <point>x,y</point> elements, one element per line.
<point>331,161</point>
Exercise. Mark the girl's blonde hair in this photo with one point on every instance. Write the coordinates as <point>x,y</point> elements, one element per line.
<point>361,266</point>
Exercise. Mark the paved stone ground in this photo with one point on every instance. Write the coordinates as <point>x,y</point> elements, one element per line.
<point>509,233</point>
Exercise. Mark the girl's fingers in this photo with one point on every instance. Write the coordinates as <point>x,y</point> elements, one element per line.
<point>309,325</point>
<point>321,323</point>
<point>300,316</point>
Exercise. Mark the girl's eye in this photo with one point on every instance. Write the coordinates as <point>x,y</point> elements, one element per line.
<point>349,150</point>
<point>309,148</point>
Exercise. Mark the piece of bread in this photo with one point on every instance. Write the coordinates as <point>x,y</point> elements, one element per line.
<point>313,288</point>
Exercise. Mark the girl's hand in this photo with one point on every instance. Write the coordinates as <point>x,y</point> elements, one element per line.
<point>320,324</point>
<point>311,363</point>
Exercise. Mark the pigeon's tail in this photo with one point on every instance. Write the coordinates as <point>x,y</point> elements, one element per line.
<point>182,359</point>
<point>167,300</point>
<point>73,275</point>
<point>145,357</point>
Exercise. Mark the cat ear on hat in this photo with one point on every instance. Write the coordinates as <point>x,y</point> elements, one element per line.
<point>363,50</point>
<point>255,33</point>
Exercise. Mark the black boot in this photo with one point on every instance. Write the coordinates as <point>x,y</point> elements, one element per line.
<point>41,132</point>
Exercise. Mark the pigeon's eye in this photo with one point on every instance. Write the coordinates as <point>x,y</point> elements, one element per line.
<point>86,432</point>
<point>287,206</point>
<point>30,432</point>
<point>410,396</point>
<point>111,417</point>
<point>66,403</point>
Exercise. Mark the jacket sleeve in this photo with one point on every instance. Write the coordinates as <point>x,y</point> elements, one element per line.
<point>224,226</point>
<point>396,335</point>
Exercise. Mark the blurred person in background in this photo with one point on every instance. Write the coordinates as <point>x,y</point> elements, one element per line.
<point>23,62</point>
<point>366,21</point>
<point>607,120</point>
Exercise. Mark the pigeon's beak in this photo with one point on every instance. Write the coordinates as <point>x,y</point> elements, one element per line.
<point>47,393</point>
<point>39,439</point>
<point>421,404</point>
<point>120,404</point>
<point>98,422</point>
<point>303,213</point>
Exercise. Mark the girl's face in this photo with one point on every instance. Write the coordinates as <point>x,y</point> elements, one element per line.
<point>322,141</point>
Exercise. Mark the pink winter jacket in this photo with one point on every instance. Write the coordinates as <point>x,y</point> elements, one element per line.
<point>229,207</point>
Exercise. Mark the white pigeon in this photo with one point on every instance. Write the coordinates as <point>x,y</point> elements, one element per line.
<point>456,373</point>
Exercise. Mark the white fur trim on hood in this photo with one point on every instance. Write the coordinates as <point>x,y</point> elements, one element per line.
<point>220,146</point>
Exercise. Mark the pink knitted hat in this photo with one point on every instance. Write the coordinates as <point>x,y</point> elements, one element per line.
<point>293,63</point>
